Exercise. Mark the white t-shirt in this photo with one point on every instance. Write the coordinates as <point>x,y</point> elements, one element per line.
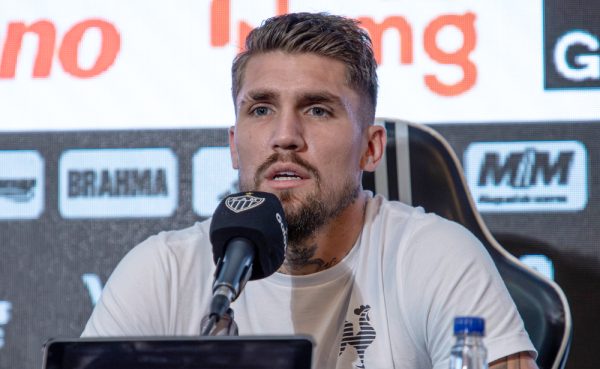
<point>389,303</point>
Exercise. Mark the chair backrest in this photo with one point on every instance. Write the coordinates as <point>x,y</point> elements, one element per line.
<point>421,169</point>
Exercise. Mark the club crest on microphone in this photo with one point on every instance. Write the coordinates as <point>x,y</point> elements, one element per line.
<point>238,204</point>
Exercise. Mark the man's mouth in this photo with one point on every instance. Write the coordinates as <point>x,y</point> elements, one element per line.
<point>285,172</point>
<point>286,176</point>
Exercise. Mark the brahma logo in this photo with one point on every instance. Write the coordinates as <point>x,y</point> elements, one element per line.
<point>21,184</point>
<point>114,183</point>
<point>571,44</point>
<point>220,35</point>
<point>527,175</point>
<point>213,179</point>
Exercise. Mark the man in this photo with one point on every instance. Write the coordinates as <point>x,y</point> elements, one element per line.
<point>376,283</point>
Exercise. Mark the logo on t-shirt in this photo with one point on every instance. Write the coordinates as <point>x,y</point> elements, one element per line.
<point>362,338</point>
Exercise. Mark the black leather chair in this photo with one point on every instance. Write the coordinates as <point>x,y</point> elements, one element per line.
<point>421,169</point>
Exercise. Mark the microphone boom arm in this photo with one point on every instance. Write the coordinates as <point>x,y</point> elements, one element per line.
<point>230,279</point>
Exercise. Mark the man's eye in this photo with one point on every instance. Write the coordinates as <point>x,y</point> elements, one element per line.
<point>318,111</point>
<point>260,111</point>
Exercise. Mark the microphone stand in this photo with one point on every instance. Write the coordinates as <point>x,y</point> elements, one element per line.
<point>225,326</point>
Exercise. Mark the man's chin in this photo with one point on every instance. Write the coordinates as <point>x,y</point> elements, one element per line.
<point>293,200</point>
<point>284,195</point>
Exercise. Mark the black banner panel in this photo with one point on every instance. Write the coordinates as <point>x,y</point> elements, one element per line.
<point>537,186</point>
<point>571,44</point>
<point>73,203</point>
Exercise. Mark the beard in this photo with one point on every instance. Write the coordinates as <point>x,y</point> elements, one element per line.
<point>305,216</point>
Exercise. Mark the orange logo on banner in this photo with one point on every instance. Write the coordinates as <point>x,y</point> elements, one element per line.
<point>67,52</point>
<point>464,23</point>
<point>220,21</point>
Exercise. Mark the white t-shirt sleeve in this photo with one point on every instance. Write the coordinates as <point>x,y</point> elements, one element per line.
<point>161,287</point>
<point>139,281</point>
<point>445,272</point>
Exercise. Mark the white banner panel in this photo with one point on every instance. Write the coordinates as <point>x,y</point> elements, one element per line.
<point>21,184</point>
<point>527,176</point>
<point>118,183</point>
<point>152,63</point>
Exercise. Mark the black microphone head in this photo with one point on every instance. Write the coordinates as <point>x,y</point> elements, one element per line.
<point>258,217</point>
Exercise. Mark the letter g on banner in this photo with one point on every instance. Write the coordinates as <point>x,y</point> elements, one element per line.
<point>466,25</point>
<point>588,64</point>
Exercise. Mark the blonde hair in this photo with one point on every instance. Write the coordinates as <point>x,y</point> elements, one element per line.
<point>322,34</point>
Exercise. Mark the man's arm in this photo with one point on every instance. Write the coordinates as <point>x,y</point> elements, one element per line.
<point>520,360</point>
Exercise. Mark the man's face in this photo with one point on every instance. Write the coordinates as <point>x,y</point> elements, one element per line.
<point>298,135</point>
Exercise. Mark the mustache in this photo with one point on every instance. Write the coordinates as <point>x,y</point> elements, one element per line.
<point>285,158</point>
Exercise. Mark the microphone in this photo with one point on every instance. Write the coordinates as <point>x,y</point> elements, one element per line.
<point>248,233</point>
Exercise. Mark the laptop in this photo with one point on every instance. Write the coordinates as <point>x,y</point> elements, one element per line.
<point>221,352</point>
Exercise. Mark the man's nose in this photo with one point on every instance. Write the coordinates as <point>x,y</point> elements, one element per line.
<point>288,133</point>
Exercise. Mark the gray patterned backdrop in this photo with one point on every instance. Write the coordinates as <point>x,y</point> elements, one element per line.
<point>53,264</point>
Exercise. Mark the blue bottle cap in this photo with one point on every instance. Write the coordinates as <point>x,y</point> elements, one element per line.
<point>469,324</point>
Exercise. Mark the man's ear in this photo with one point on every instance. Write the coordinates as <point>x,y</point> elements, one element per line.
<point>376,141</point>
<point>233,148</point>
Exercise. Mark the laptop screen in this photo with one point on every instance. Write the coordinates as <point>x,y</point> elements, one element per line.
<point>180,353</point>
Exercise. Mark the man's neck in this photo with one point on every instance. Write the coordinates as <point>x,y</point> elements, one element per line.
<point>330,244</point>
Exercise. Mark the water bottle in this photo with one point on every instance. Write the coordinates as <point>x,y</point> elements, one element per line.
<point>468,351</point>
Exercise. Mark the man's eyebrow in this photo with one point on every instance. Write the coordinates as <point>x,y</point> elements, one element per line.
<point>307,98</point>
<point>258,95</point>
<point>320,97</point>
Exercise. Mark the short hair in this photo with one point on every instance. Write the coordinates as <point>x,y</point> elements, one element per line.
<point>322,34</point>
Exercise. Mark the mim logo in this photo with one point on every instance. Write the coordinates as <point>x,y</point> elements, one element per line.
<point>525,169</point>
<point>527,175</point>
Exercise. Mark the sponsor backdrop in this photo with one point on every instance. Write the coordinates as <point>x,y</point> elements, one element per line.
<point>113,116</point>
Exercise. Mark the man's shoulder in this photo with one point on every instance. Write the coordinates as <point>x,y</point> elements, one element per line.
<point>177,242</point>
<point>414,228</point>
<point>382,210</point>
<point>197,231</point>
